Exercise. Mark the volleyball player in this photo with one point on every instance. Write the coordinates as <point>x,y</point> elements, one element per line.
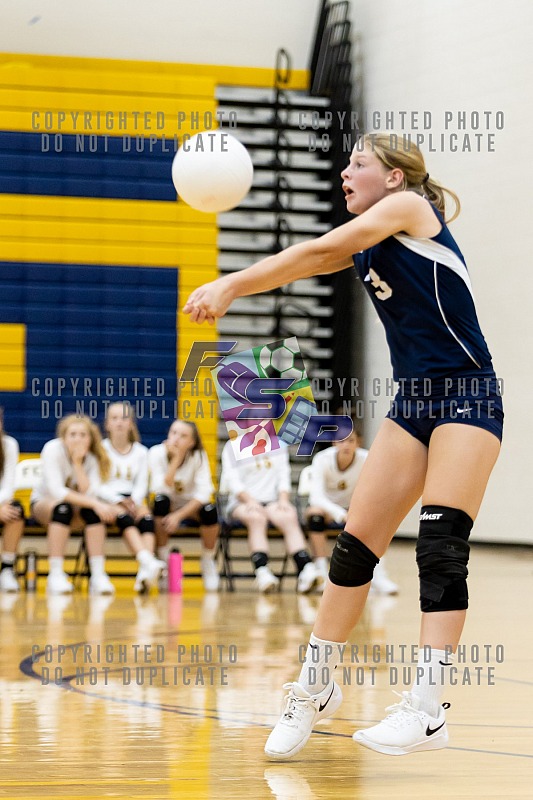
<point>127,488</point>
<point>181,480</point>
<point>11,511</point>
<point>72,468</point>
<point>418,282</point>
<point>259,492</point>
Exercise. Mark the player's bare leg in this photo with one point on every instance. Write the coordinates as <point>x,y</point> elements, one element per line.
<point>460,460</point>
<point>254,518</point>
<point>283,515</point>
<point>390,483</point>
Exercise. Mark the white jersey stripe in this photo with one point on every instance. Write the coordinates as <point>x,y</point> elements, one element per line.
<point>467,351</point>
<point>436,252</point>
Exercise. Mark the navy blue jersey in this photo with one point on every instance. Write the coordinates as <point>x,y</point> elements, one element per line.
<point>421,290</point>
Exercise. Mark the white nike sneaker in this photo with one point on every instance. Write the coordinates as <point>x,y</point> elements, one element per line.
<point>58,583</point>
<point>407,729</point>
<point>265,580</point>
<point>100,584</point>
<point>8,581</point>
<point>148,575</point>
<point>302,710</point>
<point>309,579</point>
<point>210,576</point>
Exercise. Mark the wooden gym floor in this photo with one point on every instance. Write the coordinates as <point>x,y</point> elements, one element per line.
<point>108,730</point>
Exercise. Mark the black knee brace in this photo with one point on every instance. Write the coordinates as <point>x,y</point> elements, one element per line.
<point>352,563</point>
<point>89,516</point>
<point>161,505</point>
<point>442,552</point>
<point>63,513</point>
<point>124,521</point>
<point>18,504</point>
<point>208,514</point>
<point>146,524</point>
<point>316,523</point>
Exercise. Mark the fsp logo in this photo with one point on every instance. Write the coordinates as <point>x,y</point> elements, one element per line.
<point>383,289</point>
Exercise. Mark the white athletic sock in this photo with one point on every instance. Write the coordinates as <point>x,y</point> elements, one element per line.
<point>8,558</point>
<point>432,678</point>
<point>321,659</point>
<point>55,564</point>
<point>322,563</point>
<point>144,557</point>
<point>208,552</point>
<point>96,564</point>
<point>163,552</point>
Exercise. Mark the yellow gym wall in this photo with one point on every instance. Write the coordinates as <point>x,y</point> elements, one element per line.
<point>132,232</point>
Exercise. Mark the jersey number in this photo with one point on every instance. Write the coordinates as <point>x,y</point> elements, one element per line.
<point>384,290</point>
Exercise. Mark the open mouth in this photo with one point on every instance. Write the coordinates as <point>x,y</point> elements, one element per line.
<point>347,191</point>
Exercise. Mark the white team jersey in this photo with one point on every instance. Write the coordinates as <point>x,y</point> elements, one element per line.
<point>263,476</point>
<point>11,457</point>
<point>57,473</point>
<point>129,474</point>
<point>192,480</point>
<point>332,488</point>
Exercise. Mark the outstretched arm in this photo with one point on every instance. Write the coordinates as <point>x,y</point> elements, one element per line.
<point>329,253</point>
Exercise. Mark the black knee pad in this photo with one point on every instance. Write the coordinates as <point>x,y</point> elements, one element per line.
<point>316,523</point>
<point>124,521</point>
<point>146,524</point>
<point>208,514</point>
<point>89,516</point>
<point>63,513</point>
<point>18,504</point>
<point>161,505</point>
<point>442,553</point>
<point>352,563</point>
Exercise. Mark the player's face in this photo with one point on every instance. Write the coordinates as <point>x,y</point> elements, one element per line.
<point>116,421</point>
<point>77,436</point>
<point>348,446</point>
<point>181,434</point>
<point>363,181</point>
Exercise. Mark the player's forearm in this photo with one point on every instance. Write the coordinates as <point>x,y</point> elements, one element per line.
<point>301,260</point>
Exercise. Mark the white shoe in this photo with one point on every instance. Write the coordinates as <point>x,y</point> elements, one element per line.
<point>58,583</point>
<point>322,565</point>
<point>381,583</point>
<point>8,581</point>
<point>100,584</point>
<point>265,580</point>
<point>407,729</point>
<point>148,575</point>
<point>302,710</point>
<point>309,579</point>
<point>210,576</point>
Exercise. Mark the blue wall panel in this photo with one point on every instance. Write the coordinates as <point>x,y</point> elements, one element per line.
<point>115,173</point>
<point>91,322</point>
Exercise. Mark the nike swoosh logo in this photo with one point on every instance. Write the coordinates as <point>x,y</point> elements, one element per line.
<point>322,706</point>
<point>442,663</point>
<point>314,646</point>
<point>429,732</point>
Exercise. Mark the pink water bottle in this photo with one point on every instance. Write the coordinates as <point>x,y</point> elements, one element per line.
<point>175,572</point>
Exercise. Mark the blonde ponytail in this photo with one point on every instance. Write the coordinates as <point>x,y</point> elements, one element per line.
<point>396,151</point>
